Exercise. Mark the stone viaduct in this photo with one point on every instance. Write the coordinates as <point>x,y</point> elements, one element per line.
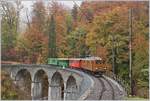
<point>49,82</point>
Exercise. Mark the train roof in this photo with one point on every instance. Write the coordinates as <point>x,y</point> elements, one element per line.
<point>93,58</point>
<point>75,58</point>
<point>87,58</point>
<point>59,58</point>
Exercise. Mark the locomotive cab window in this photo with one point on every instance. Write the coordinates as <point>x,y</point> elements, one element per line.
<point>98,62</point>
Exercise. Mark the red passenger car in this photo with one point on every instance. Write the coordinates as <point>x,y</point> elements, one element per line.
<point>75,63</point>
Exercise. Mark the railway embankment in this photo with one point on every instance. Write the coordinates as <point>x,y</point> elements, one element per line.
<point>106,88</point>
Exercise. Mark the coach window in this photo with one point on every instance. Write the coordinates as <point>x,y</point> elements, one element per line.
<point>98,62</point>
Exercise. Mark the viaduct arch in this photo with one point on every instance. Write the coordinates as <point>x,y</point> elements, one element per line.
<point>46,82</point>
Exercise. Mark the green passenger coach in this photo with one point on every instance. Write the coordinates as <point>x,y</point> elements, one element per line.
<point>61,62</point>
<point>52,61</point>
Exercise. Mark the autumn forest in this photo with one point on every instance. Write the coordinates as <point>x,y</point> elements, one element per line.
<point>94,28</point>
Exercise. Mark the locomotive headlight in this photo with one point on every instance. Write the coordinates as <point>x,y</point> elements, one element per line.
<point>96,68</point>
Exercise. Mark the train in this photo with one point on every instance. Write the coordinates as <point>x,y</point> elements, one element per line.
<point>94,65</point>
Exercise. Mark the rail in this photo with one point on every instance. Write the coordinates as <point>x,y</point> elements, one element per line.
<point>103,89</point>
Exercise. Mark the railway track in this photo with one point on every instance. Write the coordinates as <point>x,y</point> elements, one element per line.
<point>106,92</point>
<point>103,89</point>
<point>105,83</point>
